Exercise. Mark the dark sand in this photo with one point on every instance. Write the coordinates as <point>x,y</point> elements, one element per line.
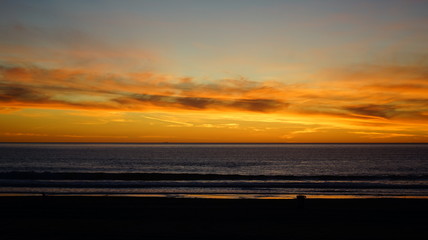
<point>170,218</point>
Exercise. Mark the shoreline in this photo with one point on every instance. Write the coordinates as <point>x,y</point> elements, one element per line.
<point>210,195</point>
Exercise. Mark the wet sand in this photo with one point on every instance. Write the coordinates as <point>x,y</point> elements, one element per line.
<point>55,217</point>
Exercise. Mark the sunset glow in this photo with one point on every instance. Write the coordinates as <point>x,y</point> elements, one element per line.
<point>214,71</point>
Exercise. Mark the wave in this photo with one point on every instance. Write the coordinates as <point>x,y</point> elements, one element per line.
<point>196,176</point>
<point>208,184</point>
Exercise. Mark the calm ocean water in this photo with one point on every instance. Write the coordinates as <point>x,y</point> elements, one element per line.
<point>243,170</point>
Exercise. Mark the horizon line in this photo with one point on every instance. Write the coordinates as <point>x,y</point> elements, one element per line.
<point>219,142</point>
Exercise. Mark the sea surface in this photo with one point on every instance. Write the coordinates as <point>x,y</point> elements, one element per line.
<point>215,170</point>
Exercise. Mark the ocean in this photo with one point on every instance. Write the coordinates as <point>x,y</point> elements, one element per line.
<point>214,170</point>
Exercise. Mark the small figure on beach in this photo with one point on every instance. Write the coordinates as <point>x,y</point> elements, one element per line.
<point>301,201</point>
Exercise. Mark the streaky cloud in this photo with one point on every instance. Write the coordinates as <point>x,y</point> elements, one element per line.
<point>36,87</point>
<point>201,103</point>
<point>359,95</point>
<point>383,111</point>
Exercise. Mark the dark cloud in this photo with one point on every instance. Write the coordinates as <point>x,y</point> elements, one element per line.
<point>11,93</point>
<point>383,111</point>
<point>197,102</point>
<point>259,105</point>
<point>201,103</point>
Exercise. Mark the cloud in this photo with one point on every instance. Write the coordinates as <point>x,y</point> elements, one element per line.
<point>19,134</point>
<point>370,96</point>
<point>372,110</point>
<point>383,134</point>
<point>6,110</point>
<point>170,121</point>
<point>67,46</point>
<point>11,93</point>
<point>91,136</point>
<point>203,103</point>
<point>76,89</point>
<point>293,134</point>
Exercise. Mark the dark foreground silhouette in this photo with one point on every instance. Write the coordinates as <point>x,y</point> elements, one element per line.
<point>74,217</point>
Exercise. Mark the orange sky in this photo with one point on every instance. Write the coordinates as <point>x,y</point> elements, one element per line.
<point>295,72</point>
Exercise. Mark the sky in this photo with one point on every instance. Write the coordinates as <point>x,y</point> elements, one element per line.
<point>214,71</point>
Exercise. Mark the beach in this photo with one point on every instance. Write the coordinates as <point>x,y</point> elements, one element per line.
<point>85,217</point>
<point>213,191</point>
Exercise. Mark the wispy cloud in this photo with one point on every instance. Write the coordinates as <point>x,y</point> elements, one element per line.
<point>383,134</point>
<point>68,46</point>
<point>6,110</point>
<point>26,134</point>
